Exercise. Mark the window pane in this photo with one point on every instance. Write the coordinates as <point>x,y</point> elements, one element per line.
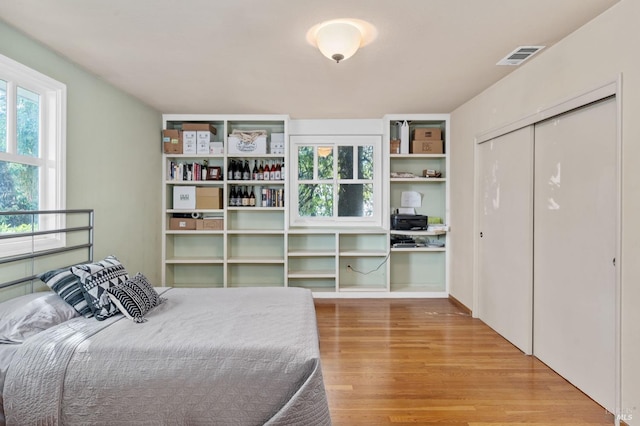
<point>365,162</point>
<point>356,200</point>
<point>28,122</point>
<point>18,191</point>
<point>325,162</point>
<point>3,116</point>
<point>315,200</point>
<point>305,162</point>
<point>345,162</point>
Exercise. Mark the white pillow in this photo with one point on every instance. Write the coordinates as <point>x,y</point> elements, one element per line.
<point>28,315</point>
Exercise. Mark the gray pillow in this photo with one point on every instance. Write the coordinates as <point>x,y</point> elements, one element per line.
<point>28,315</point>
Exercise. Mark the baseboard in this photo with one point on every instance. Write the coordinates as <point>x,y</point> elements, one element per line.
<point>460,305</point>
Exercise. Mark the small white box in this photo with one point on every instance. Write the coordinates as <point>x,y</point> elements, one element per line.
<point>277,145</point>
<point>189,142</point>
<point>277,137</point>
<point>238,146</point>
<point>205,136</point>
<point>277,151</point>
<point>184,197</point>
<point>216,148</point>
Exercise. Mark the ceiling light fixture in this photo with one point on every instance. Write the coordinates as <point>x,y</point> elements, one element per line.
<point>340,39</point>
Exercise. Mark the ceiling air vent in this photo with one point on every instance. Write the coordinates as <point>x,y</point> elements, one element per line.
<point>520,55</point>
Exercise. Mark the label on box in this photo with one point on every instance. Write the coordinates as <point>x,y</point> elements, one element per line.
<point>427,134</point>
<point>426,147</point>
<point>238,145</point>
<point>202,147</point>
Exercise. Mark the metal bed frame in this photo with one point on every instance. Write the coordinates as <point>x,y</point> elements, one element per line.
<point>34,254</point>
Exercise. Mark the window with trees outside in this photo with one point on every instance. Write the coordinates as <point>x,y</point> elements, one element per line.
<point>32,136</point>
<point>336,181</point>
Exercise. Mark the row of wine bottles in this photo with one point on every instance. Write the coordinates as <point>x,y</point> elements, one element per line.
<point>244,196</point>
<point>270,170</point>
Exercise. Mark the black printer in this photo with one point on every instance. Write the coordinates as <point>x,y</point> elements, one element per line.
<point>408,222</point>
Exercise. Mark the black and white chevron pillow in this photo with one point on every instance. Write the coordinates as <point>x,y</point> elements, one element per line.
<point>135,297</point>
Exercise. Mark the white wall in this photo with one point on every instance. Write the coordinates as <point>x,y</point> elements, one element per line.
<point>595,54</point>
<point>113,156</point>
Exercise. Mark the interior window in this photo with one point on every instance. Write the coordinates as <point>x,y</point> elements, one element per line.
<point>337,181</point>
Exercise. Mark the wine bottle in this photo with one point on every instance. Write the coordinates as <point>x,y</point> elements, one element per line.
<point>252,198</point>
<point>277,173</point>
<point>246,173</point>
<point>272,171</point>
<point>237,171</point>
<point>245,198</point>
<point>260,172</point>
<point>254,173</point>
<point>204,171</point>
<point>267,171</point>
<point>231,170</point>
<point>282,175</point>
<point>238,196</point>
<point>232,197</point>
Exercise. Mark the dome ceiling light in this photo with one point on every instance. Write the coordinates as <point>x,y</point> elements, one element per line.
<point>340,39</point>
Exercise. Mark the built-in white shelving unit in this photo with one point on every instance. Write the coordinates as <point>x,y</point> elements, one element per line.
<point>256,246</point>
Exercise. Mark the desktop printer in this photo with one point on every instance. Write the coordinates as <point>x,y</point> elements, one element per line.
<point>407,222</point>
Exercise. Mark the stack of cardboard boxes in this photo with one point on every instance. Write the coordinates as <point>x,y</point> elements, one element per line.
<point>196,198</point>
<point>427,140</point>
<point>195,138</point>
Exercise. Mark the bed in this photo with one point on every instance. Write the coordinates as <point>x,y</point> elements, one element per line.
<point>216,356</point>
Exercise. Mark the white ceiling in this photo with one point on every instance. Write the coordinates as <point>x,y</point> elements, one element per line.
<point>251,56</point>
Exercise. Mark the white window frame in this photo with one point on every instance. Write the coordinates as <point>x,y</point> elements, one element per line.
<point>52,150</point>
<point>336,141</point>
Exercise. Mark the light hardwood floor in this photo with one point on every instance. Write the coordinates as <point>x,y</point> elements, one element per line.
<point>423,361</point>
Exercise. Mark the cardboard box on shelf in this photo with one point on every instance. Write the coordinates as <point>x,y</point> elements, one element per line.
<point>199,127</point>
<point>426,147</point>
<point>184,197</point>
<point>239,146</point>
<point>427,134</point>
<point>210,224</point>
<point>171,141</point>
<point>394,147</point>
<point>182,224</point>
<point>208,198</point>
<point>189,142</point>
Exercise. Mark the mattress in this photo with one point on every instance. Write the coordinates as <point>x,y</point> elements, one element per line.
<point>246,356</point>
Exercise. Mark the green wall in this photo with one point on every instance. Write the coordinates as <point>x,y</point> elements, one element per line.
<point>113,156</point>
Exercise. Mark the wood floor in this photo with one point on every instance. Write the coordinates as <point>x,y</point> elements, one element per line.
<point>426,361</point>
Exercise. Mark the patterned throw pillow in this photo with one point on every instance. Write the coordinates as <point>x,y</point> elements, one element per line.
<point>95,279</point>
<point>135,297</point>
<point>67,286</point>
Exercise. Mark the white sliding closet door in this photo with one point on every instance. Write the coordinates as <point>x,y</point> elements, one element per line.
<point>575,244</point>
<point>505,246</point>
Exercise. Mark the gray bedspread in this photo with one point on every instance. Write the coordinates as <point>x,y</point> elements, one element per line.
<point>205,357</point>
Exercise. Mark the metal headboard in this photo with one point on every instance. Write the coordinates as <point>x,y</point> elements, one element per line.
<point>86,244</point>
